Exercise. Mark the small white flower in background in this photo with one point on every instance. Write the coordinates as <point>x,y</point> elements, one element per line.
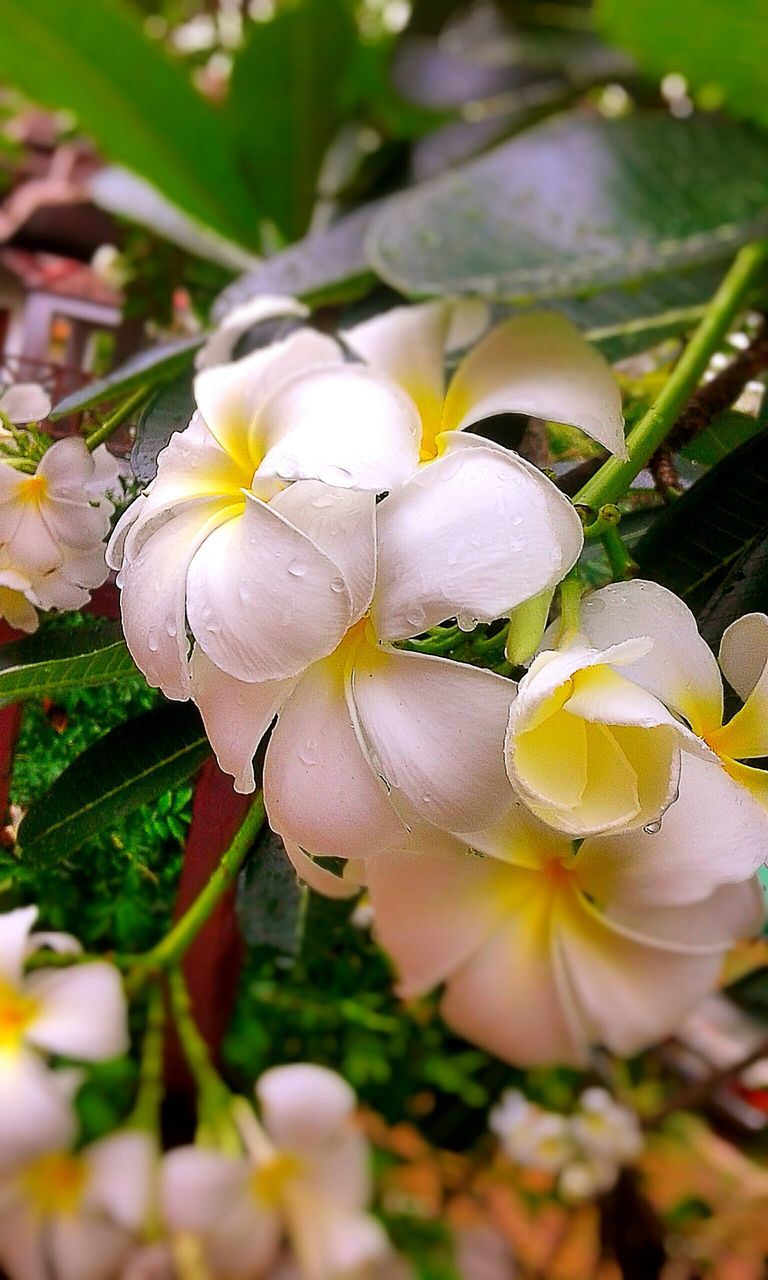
<point>111,266</point>
<point>24,402</point>
<point>305,1176</point>
<point>78,1012</point>
<point>53,526</point>
<point>682,671</point>
<point>76,1215</point>
<point>585,1149</point>
<point>547,949</point>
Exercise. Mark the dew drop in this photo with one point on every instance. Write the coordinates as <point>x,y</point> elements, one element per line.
<point>297,568</point>
<point>337,585</point>
<point>653,828</point>
<point>170,628</point>
<point>415,616</point>
<point>426,799</point>
<point>323,501</point>
<point>243,594</point>
<point>309,752</point>
<point>153,643</point>
<point>465,621</point>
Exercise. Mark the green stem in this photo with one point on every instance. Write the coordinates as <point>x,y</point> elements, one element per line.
<point>116,419</point>
<point>571,591</point>
<point>621,563</point>
<point>172,948</point>
<point>214,1098</point>
<point>615,476</point>
<point>146,1112</point>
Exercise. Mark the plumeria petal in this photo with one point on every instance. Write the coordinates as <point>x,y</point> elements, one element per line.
<point>342,523</point>
<point>744,660</point>
<point>15,928</point>
<point>236,714</point>
<point>410,343</point>
<point>17,610</point>
<point>231,396</point>
<point>329,1241</point>
<point>538,364</point>
<point>248,583</point>
<point>220,346</point>
<point>347,426</point>
<point>473,534</point>
<point>434,906</point>
<point>82,1011</point>
<point>680,669</point>
<point>25,402</point>
<point>153,591</point>
<point>121,1183</point>
<point>36,1113</point>
<point>86,1248</point>
<point>320,788</point>
<point>428,721</point>
<point>754,781</point>
<point>318,878</point>
<point>303,1106</point>
<point>731,912</point>
<point>200,1186</point>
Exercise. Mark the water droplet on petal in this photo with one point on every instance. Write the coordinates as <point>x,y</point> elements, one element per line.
<point>323,500</point>
<point>653,828</point>
<point>337,585</point>
<point>415,617</point>
<point>297,568</point>
<point>244,594</point>
<point>309,752</point>
<point>152,641</point>
<point>465,621</point>
<point>170,628</point>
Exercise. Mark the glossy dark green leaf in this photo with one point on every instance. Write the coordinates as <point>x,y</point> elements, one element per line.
<point>691,545</point>
<point>576,205</point>
<point>129,766</point>
<point>285,104</point>
<point>147,368</point>
<point>271,904</point>
<point>140,107</point>
<point>169,410</point>
<point>744,589</point>
<point>720,49</point>
<point>56,660</point>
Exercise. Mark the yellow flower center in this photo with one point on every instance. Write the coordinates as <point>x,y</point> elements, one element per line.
<point>17,1011</point>
<point>54,1183</point>
<point>269,1180</point>
<point>33,489</point>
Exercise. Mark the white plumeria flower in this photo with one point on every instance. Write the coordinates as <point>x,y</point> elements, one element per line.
<point>682,672</point>
<point>604,1129</point>
<point>24,402</point>
<point>219,347</point>
<point>531,1136</point>
<point>547,949</point>
<point>305,1176</point>
<point>534,363</point>
<point>76,1215</point>
<point>269,578</point>
<point>78,1012</point>
<point>584,1179</point>
<point>586,748</point>
<point>52,530</point>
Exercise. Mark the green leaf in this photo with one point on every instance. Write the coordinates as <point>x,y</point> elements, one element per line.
<point>271,903</point>
<point>724,434</point>
<point>158,364</point>
<point>285,104</point>
<point>169,410</point>
<point>744,589</point>
<point>693,543</point>
<point>721,49</point>
<point>129,766</point>
<point>578,205</point>
<point>56,660</point>
<point>141,109</point>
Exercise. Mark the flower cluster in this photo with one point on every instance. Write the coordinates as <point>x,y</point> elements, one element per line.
<point>292,1183</point>
<point>584,1150</point>
<point>571,855</point>
<point>54,513</point>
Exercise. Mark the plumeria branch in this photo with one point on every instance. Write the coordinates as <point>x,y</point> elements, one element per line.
<point>616,475</point>
<point>214,1098</point>
<point>146,1112</point>
<point>116,419</point>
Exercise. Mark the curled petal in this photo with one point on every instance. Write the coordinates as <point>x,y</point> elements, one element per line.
<point>236,714</point>
<point>320,788</point>
<point>303,1105</point>
<point>318,878</point>
<point>680,669</point>
<point>346,426</point>
<point>744,660</point>
<point>263,601</point>
<point>220,346</point>
<point>82,1011</point>
<point>231,396</point>
<point>538,364</point>
<point>713,834</point>
<point>713,924</point>
<point>435,731</point>
<point>153,592</point>
<point>472,534</point>
<point>342,523</point>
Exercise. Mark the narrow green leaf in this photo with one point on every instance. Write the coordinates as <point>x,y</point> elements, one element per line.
<point>693,543</point>
<point>147,368</point>
<point>576,205</point>
<point>141,109</point>
<point>55,661</point>
<point>169,410</point>
<point>285,104</point>
<point>129,766</point>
